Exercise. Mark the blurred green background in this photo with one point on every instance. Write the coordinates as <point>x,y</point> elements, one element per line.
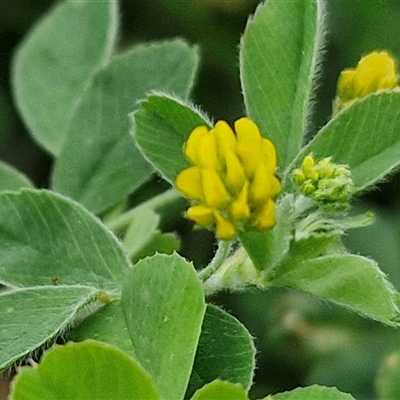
<point>300,340</point>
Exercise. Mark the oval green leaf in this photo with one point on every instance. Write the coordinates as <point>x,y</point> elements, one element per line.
<point>12,179</point>
<point>31,318</point>
<point>365,136</point>
<point>350,280</point>
<point>161,126</point>
<point>88,370</point>
<point>225,351</point>
<point>55,62</point>
<point>279,55</point>
<point>47,239</point>
<point>313,392</point>
<point>164,306</point>
<point>99,164</point>
<point>108,325</point>
<point>220,390</point>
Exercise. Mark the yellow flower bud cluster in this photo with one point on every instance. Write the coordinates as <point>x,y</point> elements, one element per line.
<point>374,72</point>
<point>329,184</point>
<point>231,179</point>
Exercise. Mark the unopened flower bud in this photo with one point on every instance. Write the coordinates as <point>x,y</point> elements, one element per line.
<point>327,183</point>
<point>375,72</point>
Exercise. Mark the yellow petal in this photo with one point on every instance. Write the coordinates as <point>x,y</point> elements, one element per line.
<point>189,182</point>
<point>248,144</point>
<point>264,217</point>
<point>214,190</point>
<point>224,228</point>
<point>235,176</point>
<point>192,145</point>
<point>308,163</point>
<point>376,71</point>
<point>239,208</point>
<point>208,152</point>
<point>230,163</point>
<point>269,154</point>
<point>202,215</point>
<point>260,186</point>
<point>275,187</point>
<point>225,137</point>
<point>346,84</point>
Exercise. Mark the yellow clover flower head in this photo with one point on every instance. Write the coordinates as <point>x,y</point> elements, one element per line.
<point>374,72</point>
<point>329,184</point>
<point>231,180</point>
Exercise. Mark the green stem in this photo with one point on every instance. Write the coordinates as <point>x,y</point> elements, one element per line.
<point>221,255</point>
<point>122,221</point>
<point>235,273</point>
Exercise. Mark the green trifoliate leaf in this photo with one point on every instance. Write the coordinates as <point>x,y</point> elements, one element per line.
<point>349,280</point>
<point>47,239</point>
<point>365,136</point>
<point>143,238</point>
<point>313,392</point>
<point>108,325</point>
<point>279,55</point>
<point>89,370</point>
<point>31,318</point>
<point>220,390</point>
<point>161,126</point>
<point>11,179</point>
<point>225,351</point>
<point>57,60</point>
<point>99,164</point>
<point>164,306</point>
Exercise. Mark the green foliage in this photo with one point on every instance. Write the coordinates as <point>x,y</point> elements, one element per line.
<point>225,351</point>
<point>12,179</point>
<point>372,125</point>
<point>98,260</point>
<point>161,127</point>
<point>350,280</point>
<point>47,239</point>
<point>57,60</point>
<point>142,237</point>
<point>220,390</point>
<point>37,315</point>
<point>108,325</point>
<point>164,308</point>
<point>60,256</point>
<point>88,370</point>
<point>278,62</point>
<point>311,393</point>
<point>99,156</point>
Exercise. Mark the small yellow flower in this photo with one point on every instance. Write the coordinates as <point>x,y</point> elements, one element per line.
<point>329,184</point>
<point>375,72</point>
<point>231,180</point>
